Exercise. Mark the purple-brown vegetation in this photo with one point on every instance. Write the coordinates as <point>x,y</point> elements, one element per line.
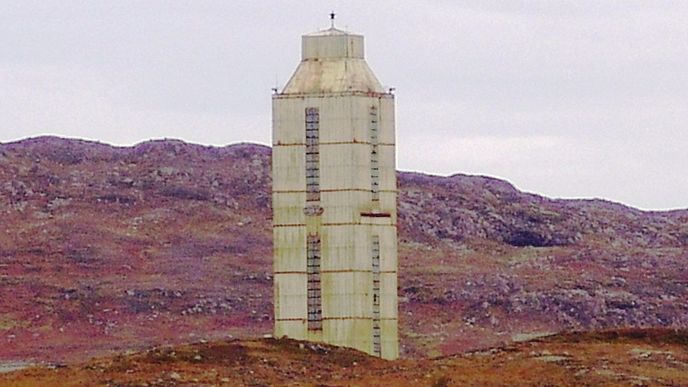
<point>105,248</point>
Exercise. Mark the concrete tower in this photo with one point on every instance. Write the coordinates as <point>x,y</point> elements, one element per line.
<point>334,200</point>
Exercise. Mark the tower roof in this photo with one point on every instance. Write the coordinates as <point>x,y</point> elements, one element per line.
<point>332,31</point>
<point>332,61</point>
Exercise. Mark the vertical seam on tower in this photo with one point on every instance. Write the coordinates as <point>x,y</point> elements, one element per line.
<point>377,345</point>
<point>314,292</point>
<point>313,246</point>
<point>312,155</point>
<point>373,124</point>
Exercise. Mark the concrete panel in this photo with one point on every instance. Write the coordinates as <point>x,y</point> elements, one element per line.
<point>288,168</point>
<point>290,296</point>
<point>388,248</point>
<point>390,343</point>
<point>315,335</point>
<point>344,206</point>
<point>354,333</point>
<point>295,329</point>
<point>288,120</point>
<point>336,167</point>
<point>349,248</point>
<point>338,295</point>
<point>289,249</point>
<point>388,204</point>
<point>338,332</point>
<point>292,307</point>
<point>345,166</point>
<point>346,294</point>
<point>288,208</point>
<point>331,44</point>
<point>289,284</point>
<point>338,247</point>
<point>387,133</point>
<point>361,123</point>
<point>362,258</point>
<point>388,175</point>
<point>335,118</point>
<point>388,295</point>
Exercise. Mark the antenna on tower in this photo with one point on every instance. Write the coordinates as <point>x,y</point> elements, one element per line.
<point>332,15</point>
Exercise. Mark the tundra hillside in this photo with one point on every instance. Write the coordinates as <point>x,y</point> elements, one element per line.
<point>104,249</point>
<point>629,357</point>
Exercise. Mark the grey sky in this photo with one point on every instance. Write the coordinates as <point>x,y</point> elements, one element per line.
<point>564,98</point>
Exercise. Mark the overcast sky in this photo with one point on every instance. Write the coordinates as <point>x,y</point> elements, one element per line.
<point>563,98</point>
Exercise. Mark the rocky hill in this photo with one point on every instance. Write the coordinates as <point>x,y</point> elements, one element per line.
<point>610,358</point>
<point>105,249</point>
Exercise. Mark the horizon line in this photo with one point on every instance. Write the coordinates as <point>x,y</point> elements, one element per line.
<point>415,171</point>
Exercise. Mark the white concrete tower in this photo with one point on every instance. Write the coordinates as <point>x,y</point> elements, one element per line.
<point>334,200</point>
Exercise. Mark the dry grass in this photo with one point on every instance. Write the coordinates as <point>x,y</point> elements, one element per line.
<point>617,357</point>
